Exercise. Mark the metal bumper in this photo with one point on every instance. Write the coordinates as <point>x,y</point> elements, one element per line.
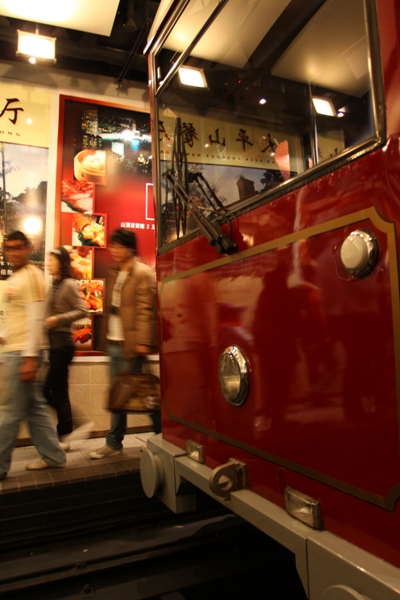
<point>329,567</point>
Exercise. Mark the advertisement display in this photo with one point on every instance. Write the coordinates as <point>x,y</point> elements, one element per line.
<point>103,182</point>
<point>24,142</point>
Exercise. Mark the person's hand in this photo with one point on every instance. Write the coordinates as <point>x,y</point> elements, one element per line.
<point>141,349</point>
<point>51,322</point>
<point>28,368</point>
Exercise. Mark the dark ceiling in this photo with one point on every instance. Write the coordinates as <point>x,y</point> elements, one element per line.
<point>119,56</point>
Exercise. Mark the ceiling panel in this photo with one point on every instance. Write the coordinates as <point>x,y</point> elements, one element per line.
<point>320,57</point>
<point>92,16</point>
<point>245,24</point>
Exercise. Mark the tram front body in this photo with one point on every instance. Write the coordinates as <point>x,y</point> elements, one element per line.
<point>276,133</point>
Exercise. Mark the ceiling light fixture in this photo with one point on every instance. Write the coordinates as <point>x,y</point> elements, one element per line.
<point>192,76</point>
<point>324,106</point>
<point>36,46</point>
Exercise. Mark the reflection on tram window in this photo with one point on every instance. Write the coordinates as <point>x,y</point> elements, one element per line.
<point>285,92</point>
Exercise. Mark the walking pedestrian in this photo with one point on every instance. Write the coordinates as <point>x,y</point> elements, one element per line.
<point>64,305</point>
<point>130,325</point>
<point>23,344</point>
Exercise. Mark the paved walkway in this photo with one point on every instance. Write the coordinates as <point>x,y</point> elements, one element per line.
<point>79,466</point>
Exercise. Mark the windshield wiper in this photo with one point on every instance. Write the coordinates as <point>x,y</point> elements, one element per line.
<point>214,235</point>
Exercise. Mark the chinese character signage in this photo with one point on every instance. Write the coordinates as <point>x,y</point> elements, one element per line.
<point>212,142</point>
<point>24,115</point>
<point>24,137</point>
<point>24,140</point>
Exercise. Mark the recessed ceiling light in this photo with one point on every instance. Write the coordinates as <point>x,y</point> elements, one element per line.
<point>37,46</point>
<point>262,101</point>
<point>324,106</point>
<point>192,76</point>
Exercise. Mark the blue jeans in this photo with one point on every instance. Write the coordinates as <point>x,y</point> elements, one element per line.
<point>118,366</point>
<point>24,401</point>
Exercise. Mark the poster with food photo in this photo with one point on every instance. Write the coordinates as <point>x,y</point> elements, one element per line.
<point>90,165</point>
<point>103,182</point>
<point>81,261</point>
<point>92,291</point>
<point>88,230</point>
<point>77,196</point>
<point>82,334</point>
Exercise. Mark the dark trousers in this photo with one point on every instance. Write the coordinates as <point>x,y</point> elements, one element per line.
<point>56,387</point>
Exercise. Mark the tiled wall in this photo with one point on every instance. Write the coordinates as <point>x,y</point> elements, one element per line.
<point>88,389</point>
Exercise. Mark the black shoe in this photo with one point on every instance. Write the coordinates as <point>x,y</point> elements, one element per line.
<point>3,476</point>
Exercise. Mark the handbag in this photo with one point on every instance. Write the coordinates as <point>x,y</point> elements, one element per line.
<point>134,392</point>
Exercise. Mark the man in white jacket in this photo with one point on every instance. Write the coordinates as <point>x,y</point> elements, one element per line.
<point>23,344</point>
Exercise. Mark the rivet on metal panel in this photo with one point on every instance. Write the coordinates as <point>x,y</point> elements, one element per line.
<point>87,591</point>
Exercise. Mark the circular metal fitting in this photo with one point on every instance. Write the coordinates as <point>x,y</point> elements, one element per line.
<point>234,375</point>
<point>151,473</point>
<point>359,253</point>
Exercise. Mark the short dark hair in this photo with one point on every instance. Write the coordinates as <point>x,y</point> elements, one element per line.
<point>124,237</point>
<point>64,259</point>
<point>18,236</point>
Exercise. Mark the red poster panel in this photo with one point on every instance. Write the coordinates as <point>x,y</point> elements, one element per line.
<point>103,183</point>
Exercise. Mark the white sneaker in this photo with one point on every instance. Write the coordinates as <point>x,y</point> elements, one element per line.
<point>80,433</point>
<point>104,452</point>
<point>40,464</point>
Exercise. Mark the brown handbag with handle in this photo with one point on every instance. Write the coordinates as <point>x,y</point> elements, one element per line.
<point>134,392</point>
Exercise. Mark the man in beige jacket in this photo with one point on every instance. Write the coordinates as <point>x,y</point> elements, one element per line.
<point>130,325</point>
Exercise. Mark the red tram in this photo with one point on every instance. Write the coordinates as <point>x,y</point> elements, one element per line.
<point>276,128</point>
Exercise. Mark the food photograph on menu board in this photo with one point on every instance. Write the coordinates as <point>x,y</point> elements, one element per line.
<point>77,196</point>
<point>82,334</point>
<point>92,291</point>
<point>90,166</point>
<point>88,230</point>
<point>81,261</point>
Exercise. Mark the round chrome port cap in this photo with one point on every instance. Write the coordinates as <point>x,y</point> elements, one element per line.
<point>234,375</point>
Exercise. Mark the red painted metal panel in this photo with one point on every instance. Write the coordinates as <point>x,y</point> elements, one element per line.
<point>322,414</point>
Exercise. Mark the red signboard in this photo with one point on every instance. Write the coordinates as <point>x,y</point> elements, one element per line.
<point>103,182</point>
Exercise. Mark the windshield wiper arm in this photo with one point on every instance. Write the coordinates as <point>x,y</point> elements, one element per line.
<point>209,193</point>
<point>214,235</point>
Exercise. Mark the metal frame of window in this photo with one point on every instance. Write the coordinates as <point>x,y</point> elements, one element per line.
<point>336,162</point>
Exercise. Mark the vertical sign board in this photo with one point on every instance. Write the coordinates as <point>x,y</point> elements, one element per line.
<point>103,183</point>
<point>24,143</point>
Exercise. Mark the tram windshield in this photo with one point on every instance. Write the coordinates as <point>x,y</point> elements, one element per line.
<point>251,95</point>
